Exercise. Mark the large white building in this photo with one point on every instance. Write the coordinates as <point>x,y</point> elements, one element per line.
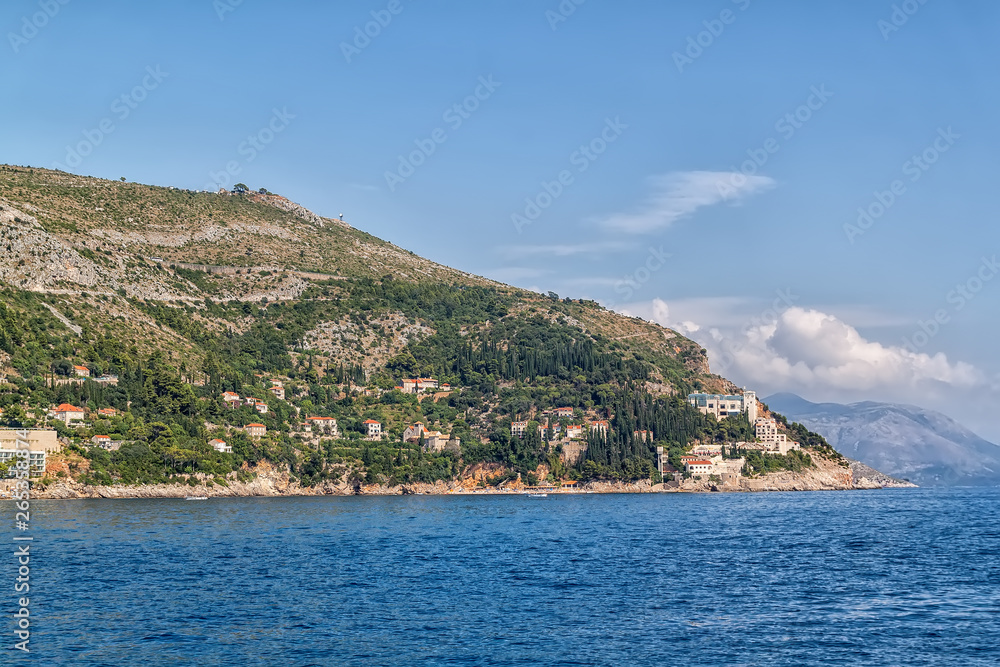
<point>41,442</point>
<point>766,431</point>
<point>722,405</point>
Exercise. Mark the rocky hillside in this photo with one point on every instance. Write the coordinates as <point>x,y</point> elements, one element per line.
<point>183,295</point>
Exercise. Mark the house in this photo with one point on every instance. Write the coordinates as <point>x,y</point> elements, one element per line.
<point>260,406</point>
<point>517,429</point>
<point>107,412</point>
<point>40,443</point>
<point>101,440</point>
<point>414,433</point>
<point>553,427</point>
<point>417,385</point>
<point>221,446</point>
<point>642,436</point>
<point>323,424</point>
<point>278,389</point>
<point>374,429</point>
<point>600,426</point>
<point>67,413</point>
<point>574,431</point>
<point>436,442</point>
<point>81,371</point>
<point>563,412</point>
<point>231,398</point>
<point>569,484</point>
<point>724,405</point>
<point>255,430</point>
<point>698,466</point>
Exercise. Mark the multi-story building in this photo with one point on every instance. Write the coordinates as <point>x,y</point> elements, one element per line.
<point>563,412</point>
<point>41,442</point>
<point>221,446</point>
<point>326,425</point>
<point>67,413</point>
<point>600,426</point>
<point>255,430</point>
<point>517,429</point>
<point>722,405</point>
<point>374,429</point>
<point>766,431</point>
<point>81,371</point>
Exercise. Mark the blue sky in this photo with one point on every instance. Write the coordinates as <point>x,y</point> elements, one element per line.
<point>730,143</point>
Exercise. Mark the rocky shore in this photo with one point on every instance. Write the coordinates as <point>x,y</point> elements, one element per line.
<point>270,481</point>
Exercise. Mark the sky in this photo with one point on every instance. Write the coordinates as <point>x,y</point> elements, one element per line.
<point>806,189</point>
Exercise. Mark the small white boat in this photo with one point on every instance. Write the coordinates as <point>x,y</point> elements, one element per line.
<point>538,495</point>
<point>196,498</point>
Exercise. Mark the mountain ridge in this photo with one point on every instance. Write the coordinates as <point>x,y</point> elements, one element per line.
<point>902,440</point>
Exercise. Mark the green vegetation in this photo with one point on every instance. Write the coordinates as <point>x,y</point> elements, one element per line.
<point>508,354</point>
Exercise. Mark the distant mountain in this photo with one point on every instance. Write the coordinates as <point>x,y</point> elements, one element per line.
<point>923,446</point>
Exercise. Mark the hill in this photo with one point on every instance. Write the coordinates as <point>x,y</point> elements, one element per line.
<point>924,446</point>
<point>182,296</point>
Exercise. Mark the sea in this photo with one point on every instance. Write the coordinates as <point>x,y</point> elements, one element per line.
<point>890,577</point>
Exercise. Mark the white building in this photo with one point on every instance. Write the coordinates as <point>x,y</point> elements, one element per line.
<point>221,446</point>
<point>766,431</point>
<point>722,405</point>
<point>67,413</point>
<point>699,467</point>
<point>326,425</point>
<point>374,429</point>
<point>517,429</point>
<point>41,442</point>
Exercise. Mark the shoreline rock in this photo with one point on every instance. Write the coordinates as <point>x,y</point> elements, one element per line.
<point>271,482</point>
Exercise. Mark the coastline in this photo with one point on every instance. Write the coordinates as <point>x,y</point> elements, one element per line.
<point>272,482</point>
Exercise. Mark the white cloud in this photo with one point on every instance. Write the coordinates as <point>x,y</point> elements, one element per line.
<point>812,352</point>
<point>679,194</point>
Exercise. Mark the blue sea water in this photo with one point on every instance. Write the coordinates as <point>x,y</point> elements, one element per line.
<point>892,577</point>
